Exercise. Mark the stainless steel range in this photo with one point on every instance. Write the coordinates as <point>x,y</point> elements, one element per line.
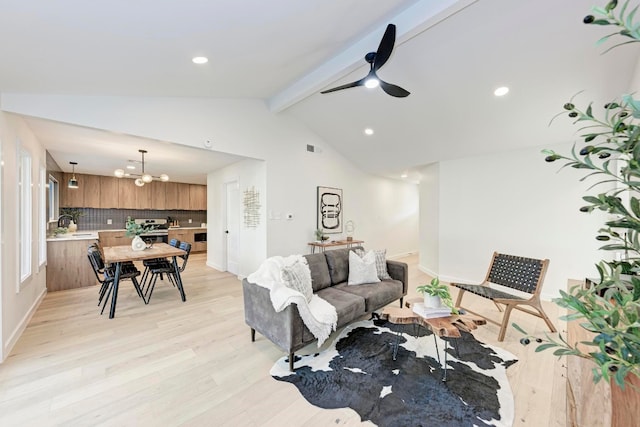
<point>158,235</point>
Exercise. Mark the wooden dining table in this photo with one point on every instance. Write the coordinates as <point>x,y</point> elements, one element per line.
<point>119,254</point>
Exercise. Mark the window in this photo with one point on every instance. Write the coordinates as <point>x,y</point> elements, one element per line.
<point>24,212</point>
<point>42,217</point>
<point>53,190</point>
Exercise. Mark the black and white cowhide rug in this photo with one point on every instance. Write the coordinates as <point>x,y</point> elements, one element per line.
<point>357,370</point>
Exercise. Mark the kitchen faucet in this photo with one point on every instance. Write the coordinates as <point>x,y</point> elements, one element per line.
<point>63,220</point>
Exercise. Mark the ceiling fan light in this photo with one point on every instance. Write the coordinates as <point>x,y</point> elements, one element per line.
<point>371,82</point>
<point>139,182</point>
<point>146,178</point>
<point>164,177</point>
<point>119,173</point>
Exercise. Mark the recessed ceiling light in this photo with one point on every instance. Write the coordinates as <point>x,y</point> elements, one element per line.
<point>200,60</point>
<point>501,91</point>
<point>368,131</point>
<point>404,175</point>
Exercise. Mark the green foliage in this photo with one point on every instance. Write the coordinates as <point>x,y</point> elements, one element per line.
<point>60,230</point>
<point>134,229</point>
<point>437,289</point>
<point>320,235</point>
<point>74,213</point>
<point>610,308</point>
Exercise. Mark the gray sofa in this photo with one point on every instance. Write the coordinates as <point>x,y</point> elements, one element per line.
<point>329,274</point>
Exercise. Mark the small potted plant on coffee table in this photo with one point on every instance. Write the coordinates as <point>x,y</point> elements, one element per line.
<point>436,295</point>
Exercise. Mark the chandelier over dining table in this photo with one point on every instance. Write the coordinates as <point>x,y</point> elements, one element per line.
<point>143,178</point>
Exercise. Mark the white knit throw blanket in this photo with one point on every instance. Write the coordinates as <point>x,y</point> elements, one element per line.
<point>318,315</point>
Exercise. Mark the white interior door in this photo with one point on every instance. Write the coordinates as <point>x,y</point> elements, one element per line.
<point>232,228</point>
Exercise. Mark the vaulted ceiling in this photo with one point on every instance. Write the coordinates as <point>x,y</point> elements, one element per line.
<point>449,54</point>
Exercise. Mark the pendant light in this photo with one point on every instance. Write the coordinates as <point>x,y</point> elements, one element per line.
<point>143,178</point>
<point>73,182</point>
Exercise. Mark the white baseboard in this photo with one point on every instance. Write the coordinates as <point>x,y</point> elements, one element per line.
<point>217,267</point>
<point>427,271</point>
<point>447,279</point>
<point>400,255</point>
<point>17,333</point>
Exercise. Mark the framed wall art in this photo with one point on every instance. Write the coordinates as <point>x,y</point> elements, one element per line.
<point>329,210</point>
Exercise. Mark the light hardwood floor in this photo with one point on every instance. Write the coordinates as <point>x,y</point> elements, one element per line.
<point>193,364</point>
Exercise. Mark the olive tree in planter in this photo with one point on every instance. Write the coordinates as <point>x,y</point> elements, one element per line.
<point>610,151</point>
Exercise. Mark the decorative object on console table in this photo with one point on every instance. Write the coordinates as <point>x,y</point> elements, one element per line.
<point>332,243</point>
<point>329,210</point>
<point>320,237</point>
<point>350,227</point>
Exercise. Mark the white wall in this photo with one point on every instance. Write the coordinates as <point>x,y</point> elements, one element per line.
<point>514,202</point>
<point>252,240</point>
<point>385,211</point>
<point>430,219</point>
<point>17,306</point>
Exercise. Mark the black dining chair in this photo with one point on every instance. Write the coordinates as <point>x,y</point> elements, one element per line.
<point>149,262</point>
<point>167,268</point>
<point>106,275</point>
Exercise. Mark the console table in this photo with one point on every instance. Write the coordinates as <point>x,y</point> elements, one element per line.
<point>329,244</point>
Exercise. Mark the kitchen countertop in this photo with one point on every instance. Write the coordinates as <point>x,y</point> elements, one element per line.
<point>93,234</point>
<point>187,228</point>
<point>77,235</point>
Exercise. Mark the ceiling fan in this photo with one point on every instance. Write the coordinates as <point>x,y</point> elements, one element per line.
<point>376,60</point>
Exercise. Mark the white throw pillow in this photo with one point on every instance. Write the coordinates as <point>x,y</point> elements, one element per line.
<point>381,262</point>
<point>297,276</point>
<point>362,270</point>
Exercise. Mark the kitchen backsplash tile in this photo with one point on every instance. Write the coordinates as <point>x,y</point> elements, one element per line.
<point>96,219</point>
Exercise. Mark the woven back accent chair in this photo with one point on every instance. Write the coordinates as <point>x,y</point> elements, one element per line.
<point>519,273</point>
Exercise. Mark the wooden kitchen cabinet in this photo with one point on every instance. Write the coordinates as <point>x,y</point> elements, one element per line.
<point>90,191</point>
<point>199,240</point>
<point>184,235</point>
<point>171,195</point>
<point>198,197</point>
<point>143,196</point>
<point>113,238</point>
<point>109,192</point>
<point>126,194</point>
<point>184,197</point>
<point>158,195</point>
<point>188,235</point>
<point>67,264</point>
<point>130,196</point>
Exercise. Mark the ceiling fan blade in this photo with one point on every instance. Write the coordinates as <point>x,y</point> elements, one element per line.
<point>347,86</point>
<point>394,90</point>
<point>386,47</point>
